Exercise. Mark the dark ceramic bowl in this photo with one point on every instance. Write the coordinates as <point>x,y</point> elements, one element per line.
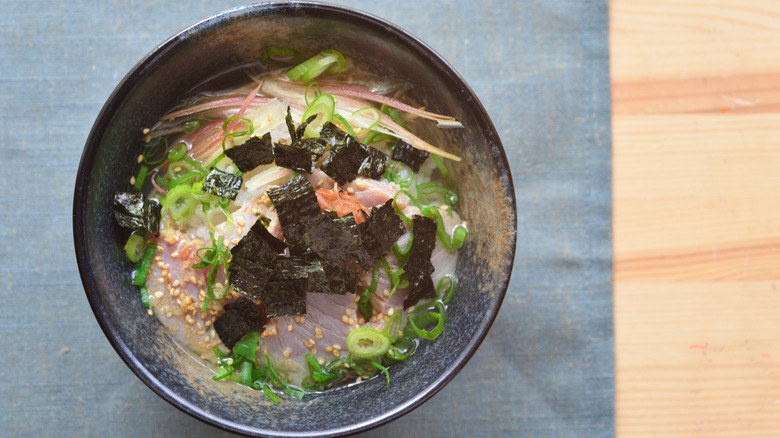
<point>232,39</point>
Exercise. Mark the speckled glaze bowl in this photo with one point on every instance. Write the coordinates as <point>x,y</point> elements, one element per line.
<point>235,38</point>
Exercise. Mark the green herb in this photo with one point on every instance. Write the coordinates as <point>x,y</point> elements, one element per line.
<point>215,257</point>
<point>327,60</point>
<point>367,342</point>
<point>135,246</point>
<point>139,277</point>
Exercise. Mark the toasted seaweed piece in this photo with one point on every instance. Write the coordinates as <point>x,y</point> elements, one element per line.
<point>292,277</point>
<point>409,155</point>
<point>381,230</point>
<point>286,297</point>
<point>135,211</point>
<point>345,160</point>
<point>222,184</point>
<point>240,317</point>
<point>374,166</point>
<point>301,155</point>
<point>419,267</point>
<point>295,203</point>
<point>340,278</point>
<point>252,259</point>
<point>302,127</point>
<point>248,277</point>
<point>290,125</point>
<point>331,134</point>
<point>253,153</point>
<point>334,239</point>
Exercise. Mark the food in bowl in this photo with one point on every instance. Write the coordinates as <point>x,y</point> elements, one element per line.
<point>292,231</point>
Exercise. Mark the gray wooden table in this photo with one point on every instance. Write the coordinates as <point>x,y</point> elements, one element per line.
<point>541,70</point>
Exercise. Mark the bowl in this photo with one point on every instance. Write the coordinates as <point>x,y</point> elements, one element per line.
<point>236,38</point>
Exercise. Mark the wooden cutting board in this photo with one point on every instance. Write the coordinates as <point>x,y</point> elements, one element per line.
<point>696,129</point>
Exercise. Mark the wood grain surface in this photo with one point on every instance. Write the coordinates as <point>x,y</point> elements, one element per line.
<point>696,128</point>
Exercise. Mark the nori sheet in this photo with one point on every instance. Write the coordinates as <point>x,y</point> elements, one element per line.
<point>291,278</point>
<point>418,267</point>
<point>345,159</point>
<point>301,155</point>
<point>252,259</point>
<point>222,184</point>
<point>254,152</point>
<point>295,203</point>
<point>241,317</point>
<point>135,211</point>
<point>374,166</point>
<point>382,228</point>
<point>409,155</point>
<point>334,239</point>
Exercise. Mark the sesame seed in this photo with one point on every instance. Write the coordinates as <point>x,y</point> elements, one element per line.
<point>289,327</point>
<point>169,314</point>
<point>146,131</point>
<point>208,323</point>
<point>229,361</point>
<point>386,293</point>
<point>351,321</point>
<point>158,294</point>
<point>348,312</point>
<point>336,347</point>
<point>175,254</point>
<point>160,249</point>
<point>199,326</point>
<point>132,180</point>
<point>140,158</point>
<point>303,319</point>
<point>175,283</point>
<point>150,312</point>
<point>336,353</point>
<point>328,349</point>
<point>360,185</point>
<point>344,319</point>
<point>350,190</point>
<point>241,223</point>
<point>287,352</point>
<point>189,320</point>
<point>320,182</point>
<point>314,351</point>
<point>160,264</point>
<point>239,231</point>
<point>361,321</point>
<point>359,379</point>
<point>175,293</point>
<point>391,311</point>
<point>160,280</point>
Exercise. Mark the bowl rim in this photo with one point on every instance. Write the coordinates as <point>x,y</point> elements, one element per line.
<point>80,231</point>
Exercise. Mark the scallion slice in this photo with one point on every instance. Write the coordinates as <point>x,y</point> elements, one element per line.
<point>247,347</point>
<point>141,177</point>
<point>323,105</point>
<point>367,342</point>
<point>142,271</point>
<point>135,247</point>
<point>328,60</point>
<point>424,315</point>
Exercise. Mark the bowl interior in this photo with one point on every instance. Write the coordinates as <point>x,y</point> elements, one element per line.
<point>234,39</point>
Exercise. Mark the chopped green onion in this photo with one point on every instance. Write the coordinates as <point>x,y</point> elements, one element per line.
<point>371,110</point>
<point>270,394</point>
<point>294,391</point>
<point>324,106</point>
<point>142,271</point>
<point>139,180</point>
<point>394,116</point>
<point>423,316</point>
<point>249,131</point>
<point>442,168</point>
<point>191,125</point>
<point>449,197</point>
<point>181,203</point>
<point>178,152</point>
<point>135,247</point>
<point>345,124</point>
<point>246,373</point>
<point>328,60</point>
<point>155,152</point>
<point>145,297</point>
<point>274,51</point>
<point>317,92</point>
<point>367,342</point>
<point>380,367</point>
<point>401,174</point>
<point>446,283</point>
<point>247,347</point>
